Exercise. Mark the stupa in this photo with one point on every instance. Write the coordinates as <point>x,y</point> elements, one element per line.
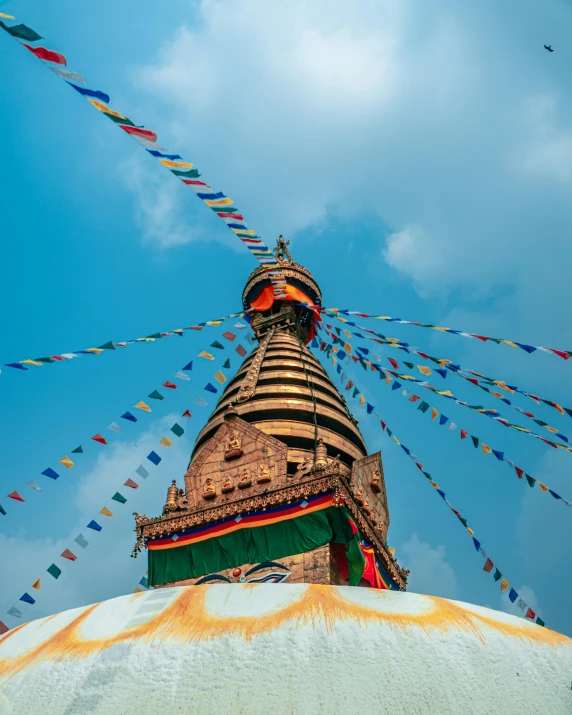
<point>280,485</point>
<point>274,588</point>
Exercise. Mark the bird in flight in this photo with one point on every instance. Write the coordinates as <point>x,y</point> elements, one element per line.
<point>549,48</point>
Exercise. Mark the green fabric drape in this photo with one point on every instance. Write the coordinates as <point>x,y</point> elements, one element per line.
<point>255,545</point>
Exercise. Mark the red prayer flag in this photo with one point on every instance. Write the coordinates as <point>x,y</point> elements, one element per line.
<point>393,362</point>
<point>227,214</point>
<point>170,385</point>
<point>229,336</point>
<point>43,54</point>
<point>414,398</point>
<point>241,351</point>
<point>137,132</point>
<point>132,484</point>
<point>519,471</point>
<point>186,413</point>
<point>16,496</point>
<point>488,567</point>
<point>464,433</point>
<point>530,614</point>
<point>99,438</point>
<point>383,425</point>
<point>560,353</point>
<point>3,628</point>
<point>480,337</point>
<point>67,554</point>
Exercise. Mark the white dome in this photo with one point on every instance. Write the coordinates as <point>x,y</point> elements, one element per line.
<point>283,649</point>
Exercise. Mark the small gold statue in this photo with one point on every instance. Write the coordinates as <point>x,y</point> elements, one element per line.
<point>228,485</point>
<point>366,505</point>
<point>233,441</point>
<point>245,481</point>
<point>374,484</point>
<point>359,496</point>
<point>234,446</point>
<point>263,474</point>
<point>303,468</point>
<point>209,491</point>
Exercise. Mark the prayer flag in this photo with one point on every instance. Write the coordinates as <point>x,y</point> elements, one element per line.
<point>143,406</point>
<point>414,398</point>
<point>36,584</point>
<point>142,472</point>
<point>434,413</point>
<point>3,628</point>
<point>144,582</point>
<point>216,344</point>
<point>170,385</point>
<point>33,486</point>
<point>154,457</point>
<point>241,351</point>
<point>530,614</point>
<point>138,132</point>
<point>181,375</point>
<point>105,512</point>
<point>201,401</point>
<point>98,438</point>
<point>14,612</point>
<point>186,413</point>
<point>540,622</point>
<point>119,498</point>
<point>210,388</point>
<point>497,575</point>
<point>43,53</point>
<point>424,370</point>
<point>423,406</point>
<point>504,585</point>
<point>14,495</point>
<point>78,450</point>
<point>178,430</point>
<point>23,32</point>
<point>486,449</point>
<point>67,554</point>
<point>66,461</point>
<point>488,567</point>
<point>512,594</point>
<point>54,571</point>
<point>229,336</point>
<point>129,416</point>
<point>27,599</point>
<point>80,540</point>
<point>115,427</point>
<point>2,510</point>
<point>206,356</point>
<point>166,442</point>
<point>94,525</point>
<point>220,377</point>
<point>521,604</point>
<point>49,472</point>
<point>130,483</point>
<point>90,92</point>
<point>189,366</point>
<point>475,441</point>
<point>155,395</point>
<point>226,364</point>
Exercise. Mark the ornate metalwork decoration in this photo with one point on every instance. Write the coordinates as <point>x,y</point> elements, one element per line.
<point>281,251</point>
<point>248,385</point>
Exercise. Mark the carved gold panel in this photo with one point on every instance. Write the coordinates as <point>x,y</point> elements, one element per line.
<point>368,487</point>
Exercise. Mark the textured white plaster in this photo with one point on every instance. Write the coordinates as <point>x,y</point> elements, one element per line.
<point>284,649</point>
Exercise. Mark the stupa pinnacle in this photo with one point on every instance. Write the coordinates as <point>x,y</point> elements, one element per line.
<point>279,484</point>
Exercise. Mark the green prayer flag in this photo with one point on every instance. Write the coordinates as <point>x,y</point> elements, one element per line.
<point>155,336</point>
<point>156,395</point>
<point>22,31</point>
<point>2,510</point>
<point>530,480</point>
<point>119,497</point>
<point>423,406</point>
<point>475,441</point>
<point>498,575</point>
<point>177,429</point>
<point>389,432</point>
<point>54,571</point>
<point>409,365</point>
<point>227,364</point>
<point>216,344</point>
<point>356,392</point>
<point>44,359</point>
<point>107,346</point>
<point>77,450</point>
<point>463,521</point>
<point>191,174</point>
<point>118,120</point>
<point>540,622</point>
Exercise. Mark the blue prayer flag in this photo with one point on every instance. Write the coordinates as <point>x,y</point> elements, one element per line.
<point>49,472</point>
<point>443,420</point>
<point>513,595</point>
<point>153,457</point>
<point>210,388</point>
<point>129,416</point>
<point>369,408</point>
<point>28,599</point>
<point>101,96</point>
<point>189,366</point>
<point>94,525</point>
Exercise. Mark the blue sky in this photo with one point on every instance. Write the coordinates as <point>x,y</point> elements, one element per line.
<point>418,157</point>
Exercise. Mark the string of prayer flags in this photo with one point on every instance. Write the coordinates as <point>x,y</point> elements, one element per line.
<point>471,376</point>
<point>185,171</point>
<point>424,406</point>
<point>564,354</point>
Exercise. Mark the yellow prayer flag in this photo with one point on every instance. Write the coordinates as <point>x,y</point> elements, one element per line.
<point>143,406</point>
<point>181,164</point>
<point>206,355</point>
<point>104,108</point>
<point>7,17</point>
<point>471,532</point>
<point>214,323</point>
<point>348,348</point>
<point>362,400</point>
<point>249,232</point>
<point>334,361</point>
<point>219,202</point>
<point>395,439</point>
<point>424,370</point>
<point>220,377</point>
<point>508,342</point>
<point>543,487</point>
<point>504,584</point>
<point>138,590</point>
<point>342,320</point>
<point>447,393</point>
<point>497,394</point>
<point>347,334</point>
<point>558,408</point>
<point>551,429</point>
<point>486,449</point>
<point>435,485</point>
<point>31,362</point>
<point>105,511</point>
<point>504,386</point>
<point>36,585</point>
<point>97,351</point>
<point>66,461</point>
<point>388,379</point>
<point>166,442</point>
<point>434,413</point>
<point>382,317</point>
<point>441,329</point>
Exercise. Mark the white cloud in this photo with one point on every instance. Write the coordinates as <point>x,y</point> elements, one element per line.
<point>430,571</point>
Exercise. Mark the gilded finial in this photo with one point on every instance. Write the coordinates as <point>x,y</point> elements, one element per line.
<point>281,251</point>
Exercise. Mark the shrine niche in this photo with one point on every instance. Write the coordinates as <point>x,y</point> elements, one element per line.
<point>239,460</point>
<point>368,488</point>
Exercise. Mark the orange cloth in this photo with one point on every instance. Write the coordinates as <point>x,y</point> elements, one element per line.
<point>266,299</point>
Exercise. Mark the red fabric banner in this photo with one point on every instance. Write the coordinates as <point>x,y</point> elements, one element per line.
<point>137,132</point>
<point>49,55</point>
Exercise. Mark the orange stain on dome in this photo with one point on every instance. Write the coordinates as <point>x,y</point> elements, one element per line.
<point>187,619</point>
